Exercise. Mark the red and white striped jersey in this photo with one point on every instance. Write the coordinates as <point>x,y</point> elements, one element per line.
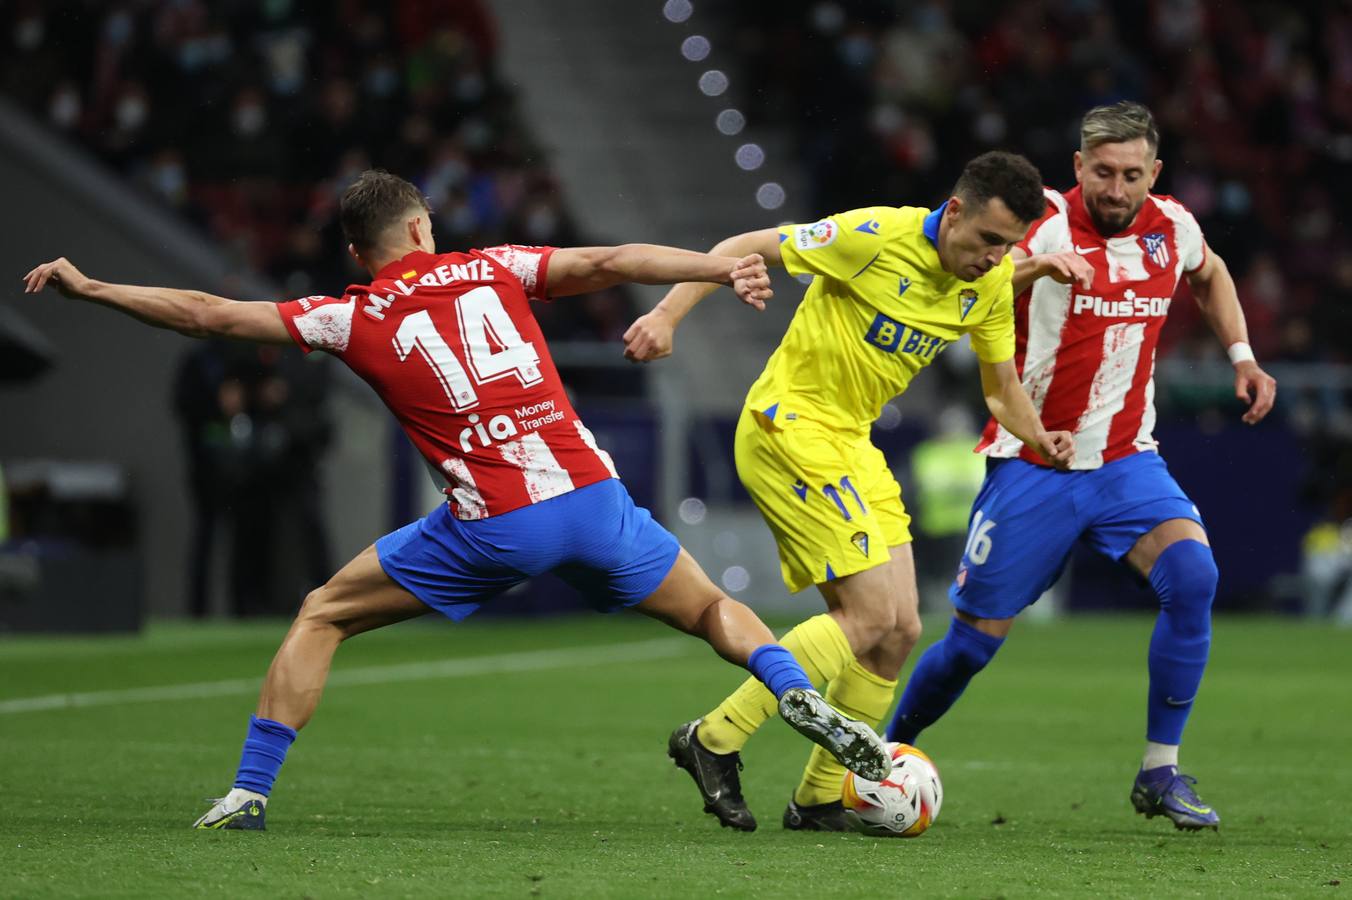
<point>1087,358</point>
<point>449,342</point>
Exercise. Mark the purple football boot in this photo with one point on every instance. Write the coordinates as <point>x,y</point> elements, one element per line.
<point>1164,792</point>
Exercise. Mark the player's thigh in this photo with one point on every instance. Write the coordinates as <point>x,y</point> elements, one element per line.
<point>1150,545</point>
<point>1138,510</point>
<point>806,484</point>
<point>360,597</point>
<point>1020,534</point>
<point>615,553</point>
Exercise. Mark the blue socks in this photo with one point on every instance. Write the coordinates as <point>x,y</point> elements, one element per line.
<point>939,679</point>
<point>1184,577</point>
<point>776,668</point>
<point>265,749</point>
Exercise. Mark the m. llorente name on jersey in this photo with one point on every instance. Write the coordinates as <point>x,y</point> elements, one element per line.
<point>474,270</point>
<point>501,427</point>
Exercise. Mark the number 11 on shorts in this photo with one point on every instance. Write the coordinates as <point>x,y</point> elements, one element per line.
<point>979,539</point>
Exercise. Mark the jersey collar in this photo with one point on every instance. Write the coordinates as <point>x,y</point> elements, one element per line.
<point>931,226</point>
<point>415,262</point>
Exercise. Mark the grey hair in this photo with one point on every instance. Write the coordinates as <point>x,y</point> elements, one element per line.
<point>1118,123</point>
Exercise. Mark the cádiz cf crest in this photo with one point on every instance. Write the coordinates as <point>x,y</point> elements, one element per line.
<point>967,298</point>
<point>860,541</point>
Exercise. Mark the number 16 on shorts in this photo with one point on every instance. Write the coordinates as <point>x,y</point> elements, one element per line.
<point>979,539</point>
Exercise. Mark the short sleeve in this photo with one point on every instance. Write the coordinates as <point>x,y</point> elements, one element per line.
<point>319,323</point>
<point>1188,240</point>
<point>530,265</point>
<point>993,336</point>
<point>840,246</point>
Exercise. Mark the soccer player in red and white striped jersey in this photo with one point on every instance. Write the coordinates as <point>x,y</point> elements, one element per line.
<point>1085,349</point>
<point>449,343</point>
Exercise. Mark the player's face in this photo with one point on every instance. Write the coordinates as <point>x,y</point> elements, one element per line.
<point>978,236</point>
<point>1114,179</point>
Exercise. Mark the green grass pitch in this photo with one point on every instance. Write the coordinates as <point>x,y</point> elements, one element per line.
<point>423,776</point>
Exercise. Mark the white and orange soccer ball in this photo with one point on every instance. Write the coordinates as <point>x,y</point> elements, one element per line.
<point>903,804</point>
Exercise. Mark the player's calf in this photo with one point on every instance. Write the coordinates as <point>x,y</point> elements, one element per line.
<point>940,677</point>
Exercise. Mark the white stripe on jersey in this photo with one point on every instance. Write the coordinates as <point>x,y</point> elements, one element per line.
<point>1145,439</point>
<point>590,440</point>
<point>1108,392</point>
<point>464,491</point>
<point>544,476</point>
<point>1048,308</point>
<point>1189,247</point>
<point>327,327</point>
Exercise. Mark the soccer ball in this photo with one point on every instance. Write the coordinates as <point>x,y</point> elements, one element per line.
<point>902,805</point>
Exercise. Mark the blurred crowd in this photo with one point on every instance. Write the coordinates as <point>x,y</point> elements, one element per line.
<point>250,118</point>
<point>1254,102</point>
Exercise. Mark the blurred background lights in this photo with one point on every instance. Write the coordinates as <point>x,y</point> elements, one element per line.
<point>691,510</point>
<point>677,10</point>
<point>750,156</point>
<point>735,579</point>
<point>713,83</point>
<point>731,121</point>
<point>770,195</point>
<point>695,48</point>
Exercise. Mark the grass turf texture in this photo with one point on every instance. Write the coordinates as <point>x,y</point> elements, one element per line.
<point>554,782</point>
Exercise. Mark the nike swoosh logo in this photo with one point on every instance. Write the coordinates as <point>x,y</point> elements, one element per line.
<point>1200,810</point>
<point>1085,251</point>
<point>1172,702</point>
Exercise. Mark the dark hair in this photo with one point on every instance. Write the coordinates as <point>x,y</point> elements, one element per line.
<point>374,202</point>
<point>1118,123</point>
<point>1008,176</point>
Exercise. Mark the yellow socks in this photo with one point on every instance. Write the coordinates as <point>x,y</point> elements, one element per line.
<point>859,694</point>
<point>819,646</point>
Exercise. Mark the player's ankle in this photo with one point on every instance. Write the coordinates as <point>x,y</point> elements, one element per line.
<point>1157,755</point>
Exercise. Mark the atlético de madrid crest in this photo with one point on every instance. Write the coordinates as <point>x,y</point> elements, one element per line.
<point>1156,248</point>
<point>967,299</point>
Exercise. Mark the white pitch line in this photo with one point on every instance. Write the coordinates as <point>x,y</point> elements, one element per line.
<point>527,661</point>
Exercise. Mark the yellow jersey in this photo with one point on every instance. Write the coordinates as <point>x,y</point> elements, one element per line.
<point>878,311</point>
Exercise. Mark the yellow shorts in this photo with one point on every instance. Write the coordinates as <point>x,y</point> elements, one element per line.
<point>832,503</point>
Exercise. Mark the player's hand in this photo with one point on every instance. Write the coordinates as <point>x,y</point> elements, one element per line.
<point>649,338</point>
<point>1256,388</point>
<point>61,274</point>
<point>751,280</point>
<point>1057,448</point>
<point>1067,268</point>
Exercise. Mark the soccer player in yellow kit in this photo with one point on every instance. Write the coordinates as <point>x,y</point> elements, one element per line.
<point>892,288</point>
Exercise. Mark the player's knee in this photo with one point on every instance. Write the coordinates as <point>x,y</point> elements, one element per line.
<point>873,624</point>
<point>320,611</point>
<point>908,629</point>
<point>967,648</point>
<point>1185,577</point>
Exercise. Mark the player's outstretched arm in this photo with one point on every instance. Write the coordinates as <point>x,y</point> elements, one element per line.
<point>193,313</point>
<point>1214,289</point>
<point>1066,268</point>
<point>582,269</point>
<point>651,335</point>
<point>1009,403</point>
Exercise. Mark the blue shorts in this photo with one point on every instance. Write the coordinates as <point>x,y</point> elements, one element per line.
<point>594,538</point>
<point>1027,519</point>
